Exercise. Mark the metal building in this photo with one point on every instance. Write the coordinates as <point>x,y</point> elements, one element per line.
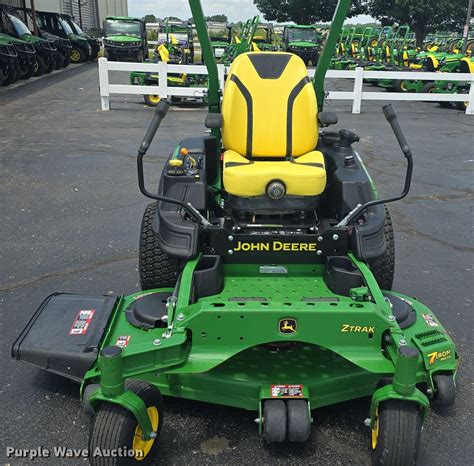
<point>90,14</point>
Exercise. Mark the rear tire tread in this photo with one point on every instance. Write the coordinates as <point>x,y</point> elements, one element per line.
<point>383,268</point>
<point>157,269</point>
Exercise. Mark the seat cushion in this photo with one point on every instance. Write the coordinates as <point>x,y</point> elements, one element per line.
<point>302,176</point>
<point>269,106</point>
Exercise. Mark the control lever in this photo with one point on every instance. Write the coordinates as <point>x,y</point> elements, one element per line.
<point>392,118</point>
<point>160,112</point>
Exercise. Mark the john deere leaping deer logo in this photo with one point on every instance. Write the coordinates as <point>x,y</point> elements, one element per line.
<point>287,326</point>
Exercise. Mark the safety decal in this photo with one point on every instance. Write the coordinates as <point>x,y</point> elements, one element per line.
<point>123,341</point>
<point>430,320</point>
<point>286,391</point>
<point>81,322</point>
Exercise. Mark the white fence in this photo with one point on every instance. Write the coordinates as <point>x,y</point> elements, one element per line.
<point>162,88</point>
<point>357,95</point>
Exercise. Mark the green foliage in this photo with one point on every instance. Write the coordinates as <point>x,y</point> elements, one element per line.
<point>150,19</point>
<point>303,11</point>
<point>217,18</point>
<point>423,16</point>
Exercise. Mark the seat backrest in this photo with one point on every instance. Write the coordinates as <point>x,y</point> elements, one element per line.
<point>269,107</point>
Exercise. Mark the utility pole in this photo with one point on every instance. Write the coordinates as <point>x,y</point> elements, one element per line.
<point>467,26</point>
<point>33,17</point>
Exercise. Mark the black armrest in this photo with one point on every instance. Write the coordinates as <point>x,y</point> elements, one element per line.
<point>327,119</point>
<point>214,120</point>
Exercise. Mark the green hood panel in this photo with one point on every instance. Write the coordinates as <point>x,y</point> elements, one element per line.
<point>5,38</point>
<point>32,39</point>
<point>121,38</point>
<point>77,38</point>
<point>302,44</point>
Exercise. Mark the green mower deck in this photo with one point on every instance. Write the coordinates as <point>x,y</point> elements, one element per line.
<point>266,263</point>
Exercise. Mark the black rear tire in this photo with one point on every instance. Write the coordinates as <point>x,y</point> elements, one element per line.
<point>274,421</point>
<point>399,85</point>
<point>28,70</point>
<point>396,434</point>
<point>383,268</point>
<point>59,61</point>
<point>2,77</point>
<point>40,66</point>
<point>50,63</point>
<point>67,61</point>
<point>298,421</point>
<point>156,268</point>
<point>13,75</point>
<point>463,105</point>
<point>114,427</point>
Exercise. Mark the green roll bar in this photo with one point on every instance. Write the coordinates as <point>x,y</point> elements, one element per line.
<point>208,56</point>
<point>331,41</point>
<point>210,61</point>
<point>214,94</point>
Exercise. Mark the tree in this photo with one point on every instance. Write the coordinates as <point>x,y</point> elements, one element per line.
<point>423,16</point>
<point>150,19</point>
<point>218,18</point>
<point>304,11</point>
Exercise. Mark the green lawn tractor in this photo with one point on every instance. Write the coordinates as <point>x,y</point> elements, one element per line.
<point>221,37</point>
<point>176,42</point>
<point>265,39</point>
<point>266,263</point>
<point>25,56</point>
<point>140,78</point>
<point>432,62</point>
<point>45,50</point>
<point>303,41</point>
<point>243,41</point>
<point>76,29</point>
<point>456,87</point>
<point>125,39</point>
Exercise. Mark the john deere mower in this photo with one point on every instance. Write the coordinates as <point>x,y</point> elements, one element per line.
<point>266,263</point>
<point>456,87</point>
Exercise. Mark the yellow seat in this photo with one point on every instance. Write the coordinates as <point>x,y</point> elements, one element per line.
<point>302,176</point>
<point>270,128</point>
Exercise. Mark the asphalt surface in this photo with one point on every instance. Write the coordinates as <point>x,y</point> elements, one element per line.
<point>70,214</point>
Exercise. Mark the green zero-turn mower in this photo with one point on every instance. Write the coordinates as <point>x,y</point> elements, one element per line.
<point>266,263</point>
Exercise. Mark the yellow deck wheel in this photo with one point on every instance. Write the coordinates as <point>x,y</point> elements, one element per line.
<point>375,430</point>
<point>140,446</point>
<point>151,100</point>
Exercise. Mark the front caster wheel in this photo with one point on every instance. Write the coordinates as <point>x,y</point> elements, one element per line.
<point>298,421</point>
<point>274,421</point>
<point>116,429</point>
<point>445,394</point>
<point>396,433</point>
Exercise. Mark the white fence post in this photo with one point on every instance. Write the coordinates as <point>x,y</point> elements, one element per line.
<point>358,82</point>
<point>104,84</point>
<point>163,79</point>
<point>470,107</point>
<point>221,74</point>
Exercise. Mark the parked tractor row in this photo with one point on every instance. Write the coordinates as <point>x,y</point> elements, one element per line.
<point>394,49</point>
<point>34,44</point>
<point>388,48</point>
